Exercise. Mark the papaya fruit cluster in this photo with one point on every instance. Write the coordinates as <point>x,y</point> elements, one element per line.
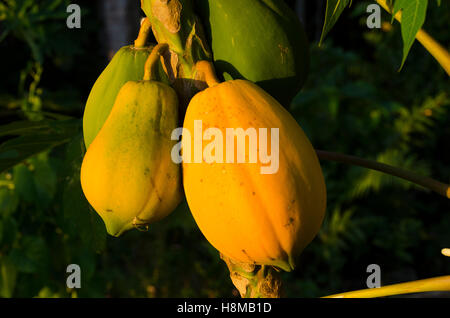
<point>130,177</point>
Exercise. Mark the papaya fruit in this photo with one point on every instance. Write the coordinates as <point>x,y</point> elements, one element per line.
<point>262,41</point>
<point>126,65</point>
<point>249,214</point>
<point>127,173</point>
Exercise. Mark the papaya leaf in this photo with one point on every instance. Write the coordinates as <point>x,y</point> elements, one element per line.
<point>9,201</point>
<point>413,18</point>
<point>31,255</point>
<point>24,184</point>
<point>333,12</point>
<point>33,138</point>
<point>25,127</point>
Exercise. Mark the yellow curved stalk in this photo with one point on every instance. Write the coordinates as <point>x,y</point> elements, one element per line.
<point>441,283</point>
<point>206,71</point>
<point>431,45</point>
<point>144,31</point>
<point>151,65</point>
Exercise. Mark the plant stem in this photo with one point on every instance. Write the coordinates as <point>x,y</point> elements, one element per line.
<point>425,285</point>
<point>436,186</point>
<point>205,72</point>
<point>175,23</point>
<point>254,281</point>
<point>144,31</point>
<point>151,65</point>
<point>436,50</point>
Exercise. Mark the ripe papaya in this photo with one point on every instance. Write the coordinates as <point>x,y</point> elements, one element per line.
<point>262,41</point>
<point>126,65</point>
<point>249,215</point>
<point>127,174</point>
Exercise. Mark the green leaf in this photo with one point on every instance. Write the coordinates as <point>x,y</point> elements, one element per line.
<point>413,17</point>
<point>25,127</point>
<point>24,183</point>
<point>31,255</point>
<point>333,12</point>
<point>33,139</point>
<point>9,201</point>
<point>8,275</point>
<point>45,179</point>
<point>10,231</point>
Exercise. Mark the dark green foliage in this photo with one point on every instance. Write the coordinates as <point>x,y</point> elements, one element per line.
<point>354,102</point>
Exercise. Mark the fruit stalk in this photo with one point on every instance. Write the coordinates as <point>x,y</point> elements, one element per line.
<point>175,23</point>
<point>431,45</point>
<point>151,65</point>
<point>144,31</point>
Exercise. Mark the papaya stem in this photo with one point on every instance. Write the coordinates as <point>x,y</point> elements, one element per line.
<point>174,22</point>
<point>441,283</point>
<point>431,184</point>
<point>205,71</point>
<point>254,281</point>
<point>431,45</point>
<point>151,65</point>
<point>144,31</point>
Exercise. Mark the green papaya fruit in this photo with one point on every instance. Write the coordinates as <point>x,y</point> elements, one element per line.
<point>127,174</point>
<point>126,65</point>
<point>262,41</point>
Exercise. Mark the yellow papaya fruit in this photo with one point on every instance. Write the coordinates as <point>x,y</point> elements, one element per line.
<point>247,212</point>
<point>127,173</point>
<point>126,65</point>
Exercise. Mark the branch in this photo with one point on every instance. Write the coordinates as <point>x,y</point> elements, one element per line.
<point>436,186</point>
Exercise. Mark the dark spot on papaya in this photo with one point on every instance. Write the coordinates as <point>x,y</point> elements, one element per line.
<point>254,193</point>
<point>201,180</point>
<point>290,222</point>
<point>146,171</point>
<point>109,210</point>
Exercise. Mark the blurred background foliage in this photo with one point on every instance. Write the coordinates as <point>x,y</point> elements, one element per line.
<point>354,102</point>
